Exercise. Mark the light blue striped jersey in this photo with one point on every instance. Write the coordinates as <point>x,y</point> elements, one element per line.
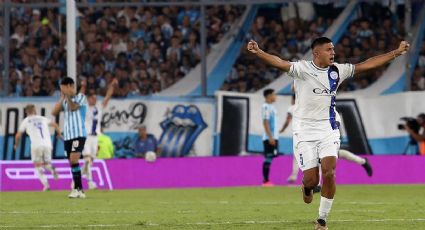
<point>74,126</point>
<point>269,113</point>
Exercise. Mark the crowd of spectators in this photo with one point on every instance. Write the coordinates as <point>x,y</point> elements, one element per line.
<point>377,31</point>
<point>146,48</point>
<point>277,33</point>
<point>418,76</point>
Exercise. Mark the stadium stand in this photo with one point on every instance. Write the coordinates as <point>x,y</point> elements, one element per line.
<point>288,36</point>
<point>418,77</point>
<point>146,49</point>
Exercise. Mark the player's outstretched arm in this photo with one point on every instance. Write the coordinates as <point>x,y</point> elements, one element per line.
<point>382,59</point>
<point>110,92</point>
<point>272,60</point>
<point>83,87</point>
<point>58,106</point>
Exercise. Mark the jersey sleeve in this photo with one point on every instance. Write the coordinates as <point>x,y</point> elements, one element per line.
<point>295,70</point>
<point>345,71</point>
<point>265,112</point>
<point>80,99</point>
<point>23,126</point>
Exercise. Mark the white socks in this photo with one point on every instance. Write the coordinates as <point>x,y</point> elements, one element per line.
<point>351,157</point>
<point>41,176</point>
<point>325,207</point>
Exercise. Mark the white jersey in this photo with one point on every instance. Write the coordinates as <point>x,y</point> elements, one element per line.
<point>315,90</point>
<point>92,120</point>
<point>37,128</point>
<point>269,113</point>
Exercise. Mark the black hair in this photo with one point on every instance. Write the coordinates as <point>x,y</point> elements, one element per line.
<point>67,81</point>
<point>422,116</point>
<point>267,92</point>
<point>320,41</point>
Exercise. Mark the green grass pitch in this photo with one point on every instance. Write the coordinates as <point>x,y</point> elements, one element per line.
<point>355,207</point>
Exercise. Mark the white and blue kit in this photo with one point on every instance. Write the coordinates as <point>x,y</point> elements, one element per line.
<point>315,128</point>
<point>93,119</point>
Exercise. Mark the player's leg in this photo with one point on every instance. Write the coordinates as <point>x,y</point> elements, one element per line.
<point>328,166</point>
<point>309,183</point>
<point>74,156</point>
<point>88,162</point>
<point>37,158</point>
<point>47,156</point>
<point>294,174</point>
<point>349,156</point>
<point>306,155</point>
<point>89,152</point>
<point>268,158</point>
<point>328,153</point>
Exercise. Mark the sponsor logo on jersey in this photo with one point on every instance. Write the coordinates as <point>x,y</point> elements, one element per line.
<point>325,92</point>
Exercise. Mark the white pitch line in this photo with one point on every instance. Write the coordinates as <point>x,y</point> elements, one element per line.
<point>249,222</point>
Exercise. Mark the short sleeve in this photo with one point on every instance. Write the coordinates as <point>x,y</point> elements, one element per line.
<point>345,71</point>
<point>23,126</point>
<point>294,70</point>
<point>265,112</point>
<point>80,99</point>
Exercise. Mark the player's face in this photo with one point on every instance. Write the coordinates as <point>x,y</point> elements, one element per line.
<point>272,97</point>
<point>326,54</point>
<point>68,90</point>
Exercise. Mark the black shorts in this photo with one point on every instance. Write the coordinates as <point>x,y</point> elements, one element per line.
<point>270,150</point>
<point>74,145</point>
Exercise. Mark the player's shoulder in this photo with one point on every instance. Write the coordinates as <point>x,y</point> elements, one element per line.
<point>342,65</point>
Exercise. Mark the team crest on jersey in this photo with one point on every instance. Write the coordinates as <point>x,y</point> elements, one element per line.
<point>334,75</point>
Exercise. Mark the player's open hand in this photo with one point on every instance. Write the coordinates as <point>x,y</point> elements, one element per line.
<point>403,48</point>
<point>253,47</point>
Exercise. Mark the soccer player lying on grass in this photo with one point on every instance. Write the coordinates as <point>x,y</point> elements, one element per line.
<point>37,128</point>
<point>315,130</point>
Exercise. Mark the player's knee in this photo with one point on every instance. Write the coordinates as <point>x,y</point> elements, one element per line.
<point>328,175</point>
<point>310,182</point>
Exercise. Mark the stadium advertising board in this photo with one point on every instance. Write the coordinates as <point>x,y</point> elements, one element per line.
<point>183,127</point>
<point>216,172</point>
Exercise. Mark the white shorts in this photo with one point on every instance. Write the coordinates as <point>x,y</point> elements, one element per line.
<point>41,154</point>
<point>90,147</point>
<point>309,152</point>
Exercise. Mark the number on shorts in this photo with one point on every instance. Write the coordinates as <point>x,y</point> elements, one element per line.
<point>75,145</point>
